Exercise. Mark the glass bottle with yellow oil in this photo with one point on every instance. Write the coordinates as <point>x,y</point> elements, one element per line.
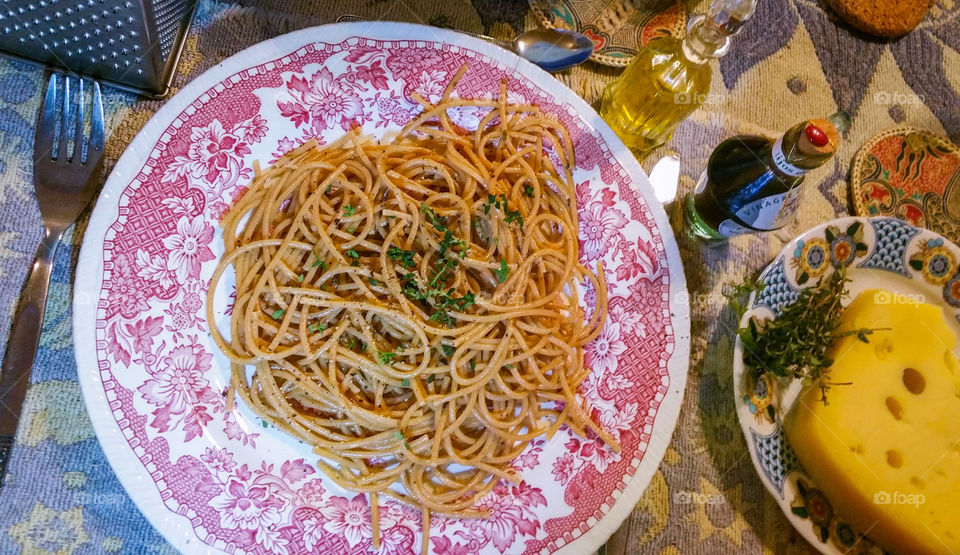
<point>670,78</point>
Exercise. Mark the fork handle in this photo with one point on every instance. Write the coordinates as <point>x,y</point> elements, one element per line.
<point>22,344</point>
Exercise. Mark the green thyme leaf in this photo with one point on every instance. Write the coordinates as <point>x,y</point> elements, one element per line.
<point>278,313</point>
<point>405,382</point>
<point>387,358</point>
<point>405,257</point>
<point>503,272</point>
<point>355,256</point>
<point>432,217</point>
<point>349,210</point>
<point>528,190</point>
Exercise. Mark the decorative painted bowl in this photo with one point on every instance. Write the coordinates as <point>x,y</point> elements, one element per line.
<point>618,28</point>
<point>912,175</point>
<point>877,253</point>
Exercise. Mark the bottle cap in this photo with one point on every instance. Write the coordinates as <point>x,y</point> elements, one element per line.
<point>822,136</point>
<point>710,34</point>
<point>730,15</point>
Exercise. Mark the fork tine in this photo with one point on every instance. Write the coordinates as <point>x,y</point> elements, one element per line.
<point>78,133</point>
<point>62,145</point>
<point>46,130</point>
<point>97,132</point>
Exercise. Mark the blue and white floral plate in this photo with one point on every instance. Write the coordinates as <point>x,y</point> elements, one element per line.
<point>878,253</point>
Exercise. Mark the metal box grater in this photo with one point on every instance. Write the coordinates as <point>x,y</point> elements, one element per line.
<point>132,44</point>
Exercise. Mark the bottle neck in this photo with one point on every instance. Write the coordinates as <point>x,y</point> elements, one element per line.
<point>808,144</point>
<point>705,40</point>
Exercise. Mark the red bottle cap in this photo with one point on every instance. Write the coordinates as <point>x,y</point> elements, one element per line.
<point>816,136</point>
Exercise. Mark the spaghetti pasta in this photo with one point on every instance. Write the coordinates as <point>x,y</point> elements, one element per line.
<point>411,309</point>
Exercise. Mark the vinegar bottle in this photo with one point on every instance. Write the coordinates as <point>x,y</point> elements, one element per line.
<point>754,184</point>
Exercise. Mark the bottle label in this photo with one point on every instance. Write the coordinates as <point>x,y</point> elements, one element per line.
<point>780,160</point>
<point>764,214</point>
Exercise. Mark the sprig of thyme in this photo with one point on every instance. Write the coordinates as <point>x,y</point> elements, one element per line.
<point>795,344</point>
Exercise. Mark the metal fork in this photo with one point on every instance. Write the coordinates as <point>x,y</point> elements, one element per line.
<point>64,183</point>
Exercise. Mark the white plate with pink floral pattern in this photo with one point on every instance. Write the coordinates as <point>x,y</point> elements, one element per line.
<point>212,480</point>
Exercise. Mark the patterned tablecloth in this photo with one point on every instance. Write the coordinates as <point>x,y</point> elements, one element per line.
<point>792,61</point>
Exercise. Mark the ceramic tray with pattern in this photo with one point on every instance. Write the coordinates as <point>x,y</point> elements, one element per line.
<point>877,253</point>
<point>618,28</point>
<point>912,175</point>
<point>213,480</point>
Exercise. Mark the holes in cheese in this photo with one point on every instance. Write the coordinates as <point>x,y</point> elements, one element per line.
<point>917,482</point>
<point>894,458</point>
<point>895,408</point>
<point>914,381</point>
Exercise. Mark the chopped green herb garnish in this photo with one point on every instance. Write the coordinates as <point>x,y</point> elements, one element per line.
<point>447,350</point>
<point>349,210</point>
<point>432,217</point>
<point>528,190</point>
<point>323,265</point>
<point>405,382</point>
<point>473,364</point>
<point>430,378</point>
<point>300,278</point>
<point>513,216</point>
<point>264,423</point>
<point>407,445</point>
<point>397,435</point>
<point>312,328</point>
<point>503,271</point>
<point>405,257</point>
<point>322,327</point>
<point>374,282</point>
<point>278,313</point>
<point>387,358</point>
<point>329,188</point>
<point>355,256</point>
<point>351,230</point>
<point>508,366</point>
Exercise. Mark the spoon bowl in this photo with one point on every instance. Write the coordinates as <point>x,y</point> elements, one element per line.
<point>553,49</point>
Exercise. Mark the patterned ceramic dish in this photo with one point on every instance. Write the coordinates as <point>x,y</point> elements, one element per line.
<point>217,481</point>
<point>912,175</point>
<point>617,28</point>
<point>878,253</point>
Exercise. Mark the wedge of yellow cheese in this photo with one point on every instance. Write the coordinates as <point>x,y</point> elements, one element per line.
<point>885,450</point>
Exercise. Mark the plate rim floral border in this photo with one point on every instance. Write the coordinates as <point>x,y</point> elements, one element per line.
<point>88,281</point>
<point>745,417</point>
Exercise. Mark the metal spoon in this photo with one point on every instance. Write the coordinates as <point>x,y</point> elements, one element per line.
<point>551,49</point>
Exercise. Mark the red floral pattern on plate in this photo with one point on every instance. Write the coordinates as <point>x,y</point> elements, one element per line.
<point>165,381</point>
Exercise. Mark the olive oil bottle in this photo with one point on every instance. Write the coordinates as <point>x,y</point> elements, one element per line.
<point>669,78</point>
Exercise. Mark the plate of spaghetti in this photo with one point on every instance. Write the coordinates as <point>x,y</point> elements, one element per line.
<point>393,291</point>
